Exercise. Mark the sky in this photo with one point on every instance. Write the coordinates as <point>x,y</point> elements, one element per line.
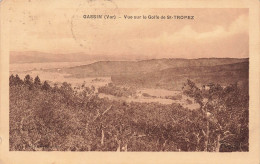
<point>57,27</point>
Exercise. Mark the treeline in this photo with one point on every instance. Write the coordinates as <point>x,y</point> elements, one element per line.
<point>29,82</point>
<point>112,89</point>
<point>59,118</point>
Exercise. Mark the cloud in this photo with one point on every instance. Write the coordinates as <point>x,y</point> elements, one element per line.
<point>35,29</point>
<point>229,40</point>
<point>239,25</point>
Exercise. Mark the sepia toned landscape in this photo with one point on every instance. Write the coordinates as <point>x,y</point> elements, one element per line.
<point>153,85</point>
<point>147,105</point>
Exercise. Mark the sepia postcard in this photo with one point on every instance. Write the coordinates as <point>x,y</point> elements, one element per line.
<point>109,81</point>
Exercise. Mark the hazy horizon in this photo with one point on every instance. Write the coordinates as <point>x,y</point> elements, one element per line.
<point>43,57</point>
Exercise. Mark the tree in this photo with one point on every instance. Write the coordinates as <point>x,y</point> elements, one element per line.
<point>225,115</point>
<point>67,91</point>
<point>37,82</point>
<point>11,80</point>
<point>15,80</point>
<point>46,86</point>
<point>28,81</point>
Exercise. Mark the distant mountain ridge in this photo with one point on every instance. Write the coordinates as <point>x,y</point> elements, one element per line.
<point>166,73</point>
<point>42,57</point>
<point>112,68</point>
<point>173,78</point>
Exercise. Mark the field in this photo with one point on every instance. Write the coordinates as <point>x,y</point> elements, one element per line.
<point>160,105</point>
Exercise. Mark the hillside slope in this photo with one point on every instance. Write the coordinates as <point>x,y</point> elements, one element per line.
<point>114,68</point>
<point>173,78</point>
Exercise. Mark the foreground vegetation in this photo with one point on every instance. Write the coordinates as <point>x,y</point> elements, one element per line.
<point>111,89</point>
<point>51,118</point>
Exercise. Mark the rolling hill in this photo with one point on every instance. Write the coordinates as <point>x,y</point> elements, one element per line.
<point>173,78</point>
<point>116,68</point>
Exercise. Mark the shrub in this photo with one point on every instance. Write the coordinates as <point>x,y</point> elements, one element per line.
<point>60,118</point>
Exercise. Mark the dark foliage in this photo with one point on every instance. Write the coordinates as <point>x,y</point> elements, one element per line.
<point>63,119</point>
<point>111,89</point>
